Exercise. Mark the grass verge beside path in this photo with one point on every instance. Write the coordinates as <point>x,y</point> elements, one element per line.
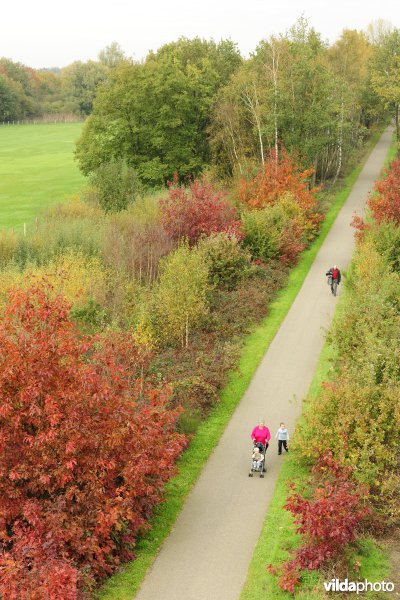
<point>37,168</point>
<point>125,584</point>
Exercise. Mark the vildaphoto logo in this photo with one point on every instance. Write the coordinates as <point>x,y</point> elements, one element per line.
<point>336,585</point>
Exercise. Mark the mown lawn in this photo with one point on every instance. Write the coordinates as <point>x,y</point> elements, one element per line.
<point>37,168</point>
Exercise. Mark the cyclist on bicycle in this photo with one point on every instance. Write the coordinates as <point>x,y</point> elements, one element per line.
<point>334,278</point>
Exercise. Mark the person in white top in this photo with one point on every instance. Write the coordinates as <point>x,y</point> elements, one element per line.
<point>282,435</point>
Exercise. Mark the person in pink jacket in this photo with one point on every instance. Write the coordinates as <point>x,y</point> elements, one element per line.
<point>261,434</point>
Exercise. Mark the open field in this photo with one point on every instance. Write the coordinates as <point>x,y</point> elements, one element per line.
<point>37,168</point>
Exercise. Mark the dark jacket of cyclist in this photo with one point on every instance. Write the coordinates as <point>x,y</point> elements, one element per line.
<point>335,273</point>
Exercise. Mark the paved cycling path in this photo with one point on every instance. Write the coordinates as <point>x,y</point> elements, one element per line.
<point>207,554</point>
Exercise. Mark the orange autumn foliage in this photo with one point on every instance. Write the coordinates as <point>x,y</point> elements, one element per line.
<point>277,178</point>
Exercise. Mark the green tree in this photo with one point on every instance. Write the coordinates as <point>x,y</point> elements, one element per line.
<point>282,94</point>
<point>349,61</point>
<point>111,56</point>
<point>181,296</point>
<point>20,82</point>
<point>156,114</point>
<point>296,91</point>
<point>80,82</point>
<point>386,72</point>
<point>116,185</point>
<point>227,261</point>
<point>10,105</point>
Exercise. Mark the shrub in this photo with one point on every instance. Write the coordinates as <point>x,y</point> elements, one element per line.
<point>181,295</point>
<point>77,277</point>
<point>198,210</point>
<point>387,241</point>
<point>227,261</point>
<point>91,316</point>
<point>278,177</point>
<point>275,232</point>
<point>327,522</point>
<point>83,454</point>
<point>116,185</point>
<point>385,201</point>
<point>136,248</point>
<point>262,233</point>
<point>68,227</point>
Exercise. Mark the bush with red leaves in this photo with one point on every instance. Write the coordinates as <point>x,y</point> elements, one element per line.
<point>385,202</point>
<point>198,210</point>
<point>83,454</point>
<point>327,522</point>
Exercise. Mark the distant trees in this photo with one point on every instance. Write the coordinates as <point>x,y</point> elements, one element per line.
<point>111,56</point>
<point>80,81</point>
<point>17,85</point>
<point>10,100</point>
<point>27,92</point>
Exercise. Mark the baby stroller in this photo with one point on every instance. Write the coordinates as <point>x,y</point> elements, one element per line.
<point>258,466</point>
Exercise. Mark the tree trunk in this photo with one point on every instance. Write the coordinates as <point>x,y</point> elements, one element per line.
<point>254,109</point>
<point>231,132</point>
<point>314,175</point>
<point>275,80</point>
<point>340,144</point>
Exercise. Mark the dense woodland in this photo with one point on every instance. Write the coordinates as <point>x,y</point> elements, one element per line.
<point>208,174</point>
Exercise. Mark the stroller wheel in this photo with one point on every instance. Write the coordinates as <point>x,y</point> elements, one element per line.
<point>250,474</point>
<point>264,470</point>
<point>261,475</point>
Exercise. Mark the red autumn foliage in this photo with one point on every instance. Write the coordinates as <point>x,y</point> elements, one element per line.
<point>277,178</point>
<point>198,210</point>
<point>291,243</point>
<point>327,522</point>
<point>359,225</point>
<point>83,454</point>
<point>385,202</point>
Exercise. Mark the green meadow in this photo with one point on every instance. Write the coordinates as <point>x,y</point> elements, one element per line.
<point>37,169</point>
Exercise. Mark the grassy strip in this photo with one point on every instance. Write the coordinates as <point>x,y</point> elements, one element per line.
<point>123,585</point>
<point>392,151</point>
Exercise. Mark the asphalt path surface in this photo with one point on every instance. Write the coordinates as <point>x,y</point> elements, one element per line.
<point>207,554</point>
